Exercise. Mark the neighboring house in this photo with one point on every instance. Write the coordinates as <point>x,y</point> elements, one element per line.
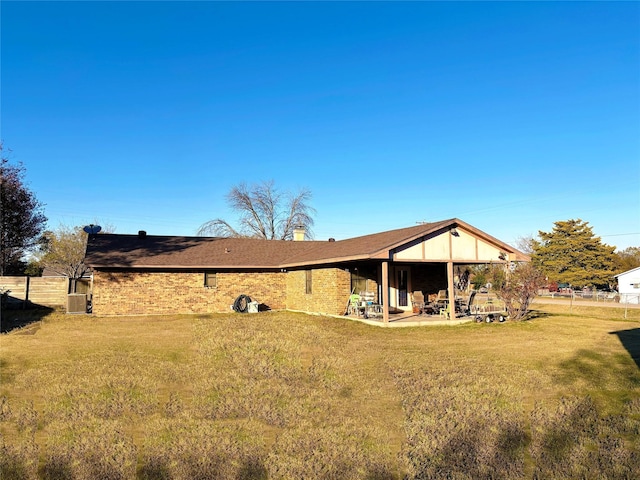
<point>629,286</point>
<point>145,274</point>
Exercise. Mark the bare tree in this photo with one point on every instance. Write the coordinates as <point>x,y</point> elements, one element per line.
<point>525,244</point>
<point>518,288</point>
<point>264,212</point>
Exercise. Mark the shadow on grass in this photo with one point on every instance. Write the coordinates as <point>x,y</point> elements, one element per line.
<point>16,317</point>
<point>630,340</point>
<point>601,370</point>
<point>538,314</point>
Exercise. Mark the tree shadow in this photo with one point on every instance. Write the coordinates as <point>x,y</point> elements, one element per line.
<point>630,340</point>
<point>537,315</point>
<point>598,370</point>
<point>15,315</point>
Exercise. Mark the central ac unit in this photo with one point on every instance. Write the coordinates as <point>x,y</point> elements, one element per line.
<point>77,303</point>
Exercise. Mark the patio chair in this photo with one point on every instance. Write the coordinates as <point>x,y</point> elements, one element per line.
<point>442,299</point>
<point>417,301</point>
<point>355,305</point>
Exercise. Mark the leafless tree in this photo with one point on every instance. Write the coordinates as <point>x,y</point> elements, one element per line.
<point>264,212</point>
<point>525,244</point>
<point>518,288</point>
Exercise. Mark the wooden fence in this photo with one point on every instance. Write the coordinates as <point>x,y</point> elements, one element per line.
<point>47,291</point>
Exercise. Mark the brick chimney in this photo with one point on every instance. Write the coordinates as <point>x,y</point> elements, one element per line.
<point>299,233</point>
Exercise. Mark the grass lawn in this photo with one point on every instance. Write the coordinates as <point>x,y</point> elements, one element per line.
<point>285,396</point>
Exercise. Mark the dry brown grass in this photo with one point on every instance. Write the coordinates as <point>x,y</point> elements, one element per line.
<point>283,395</point>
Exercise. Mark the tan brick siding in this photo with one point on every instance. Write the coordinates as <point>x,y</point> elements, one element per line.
<point>168,293</point>
<point>330,291</point>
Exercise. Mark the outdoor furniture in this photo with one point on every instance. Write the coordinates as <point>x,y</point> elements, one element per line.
<point>369,306</point>
<point>442,299</point>
<point>417,301</point>
<point>355,305</point>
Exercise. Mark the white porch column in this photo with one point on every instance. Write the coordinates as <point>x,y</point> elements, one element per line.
<point>451,290</point>
<point>385,292</point>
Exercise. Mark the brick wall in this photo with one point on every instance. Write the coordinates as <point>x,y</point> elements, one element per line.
<point>330,291</point>
<point>131,293</point>
<point>429,280</point>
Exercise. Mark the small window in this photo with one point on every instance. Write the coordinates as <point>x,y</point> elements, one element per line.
<point>308,284</point>
<point>210,279</point>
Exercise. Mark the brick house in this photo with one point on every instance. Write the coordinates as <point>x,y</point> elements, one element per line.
<point>146,274</point>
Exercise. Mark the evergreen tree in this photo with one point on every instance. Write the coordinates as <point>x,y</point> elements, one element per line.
<point>572,254</point>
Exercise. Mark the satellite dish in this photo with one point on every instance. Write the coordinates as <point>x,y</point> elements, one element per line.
<point>92,229</point>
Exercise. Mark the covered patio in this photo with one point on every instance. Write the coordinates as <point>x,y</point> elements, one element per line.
<point>434,264</point>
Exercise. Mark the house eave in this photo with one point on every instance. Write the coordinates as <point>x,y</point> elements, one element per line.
<point>183,267</point>
<point>329,260</point>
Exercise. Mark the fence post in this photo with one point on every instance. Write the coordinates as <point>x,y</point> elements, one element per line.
<point>571,302</point>
<point>27,283</point>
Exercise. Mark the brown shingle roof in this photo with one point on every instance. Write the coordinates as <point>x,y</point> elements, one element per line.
<point>367,246</point>
<point>133,251</point>
<point>111,250</point>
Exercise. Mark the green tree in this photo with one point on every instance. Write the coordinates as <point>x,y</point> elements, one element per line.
<point>264,212</point>
<point>22,220</point>
<point>627,259</point>
<point>63,252</point>
<point>572,254</point>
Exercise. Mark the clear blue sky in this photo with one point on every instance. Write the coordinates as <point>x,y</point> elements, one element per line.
<point>509,116</point>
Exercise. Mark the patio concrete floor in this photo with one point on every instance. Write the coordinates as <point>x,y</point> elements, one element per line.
<point>409,319</point>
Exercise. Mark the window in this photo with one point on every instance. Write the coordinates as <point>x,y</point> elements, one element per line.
<point>210,279</point>
<point>358,283</point>
<point>308,287</point>
<point>360,279</point>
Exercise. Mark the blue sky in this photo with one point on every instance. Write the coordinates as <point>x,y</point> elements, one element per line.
<point>507,115</point>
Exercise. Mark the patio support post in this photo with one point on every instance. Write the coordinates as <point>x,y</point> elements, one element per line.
<point>452,293</point>
<point>385,292</point>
